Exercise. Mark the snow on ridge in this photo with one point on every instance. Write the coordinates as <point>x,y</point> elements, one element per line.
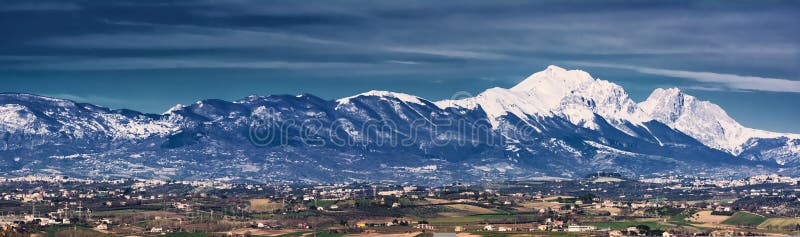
<point>497,102</point>
<point>173,109</point>
<point>383,95</point>
<point>250,99</point>
<point>39,98</point>
<point>29,97</point>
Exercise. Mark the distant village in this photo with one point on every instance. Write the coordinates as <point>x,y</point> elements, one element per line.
<point>602,204</point>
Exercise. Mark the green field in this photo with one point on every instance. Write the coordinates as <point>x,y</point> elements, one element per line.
<point>116,212</point>
<point>618,225</point>
<point>72,231</point>
<point>745,219</point>
<point>680,219</point>
<point>461,220</point>
<point>186,234</point>
<point>321,203</point>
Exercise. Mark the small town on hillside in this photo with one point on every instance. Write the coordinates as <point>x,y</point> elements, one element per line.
<point>604,204</point>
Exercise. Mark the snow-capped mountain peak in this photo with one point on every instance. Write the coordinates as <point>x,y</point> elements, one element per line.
<point>555,91</point>
<point>555,79</point>
<point>703,120</point>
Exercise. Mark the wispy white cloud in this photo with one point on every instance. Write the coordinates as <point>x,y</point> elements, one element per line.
<point>450,53</point>
<point>403,62</point>
<point>182,37</point>
<point>101,100</point>
<point>189,37</point>
<point>731,81</point>
<point>711,88</point>
<point>173,63</point>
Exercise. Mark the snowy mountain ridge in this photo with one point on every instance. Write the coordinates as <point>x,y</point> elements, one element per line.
<point>703,120</point>
<point>39,115</point>
<point>576,95</point>
<point>556,122</point>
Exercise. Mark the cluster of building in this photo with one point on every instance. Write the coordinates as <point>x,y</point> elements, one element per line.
<point>694,181</point>
<point>67,199</point>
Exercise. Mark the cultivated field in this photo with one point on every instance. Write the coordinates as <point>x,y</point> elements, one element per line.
<point>705,219</point>
<point>264,205</point>
<point>607,180</point>
<point>470,209</point>
<point>613,210</point>
<point>780,223</point>
<point>262,232</point>
<point>437,201</point>
<point>619,225</point>
<point>386,235</point>
<point>540,205</point>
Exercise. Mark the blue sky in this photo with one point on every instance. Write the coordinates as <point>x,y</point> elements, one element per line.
<point>150,55</point>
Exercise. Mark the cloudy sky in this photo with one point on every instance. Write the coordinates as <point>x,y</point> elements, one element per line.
<point>149,55</point>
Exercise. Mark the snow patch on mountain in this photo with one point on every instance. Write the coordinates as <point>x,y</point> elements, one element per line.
<point>385,95</point>
<point>19,119</point>
<point>39,115</point>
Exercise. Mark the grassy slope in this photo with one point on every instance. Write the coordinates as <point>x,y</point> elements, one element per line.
<point>780,223</point>
<point>745,218</point>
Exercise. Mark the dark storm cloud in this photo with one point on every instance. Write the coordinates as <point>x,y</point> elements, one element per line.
<point>692,35</point>
<point>167,52</point>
